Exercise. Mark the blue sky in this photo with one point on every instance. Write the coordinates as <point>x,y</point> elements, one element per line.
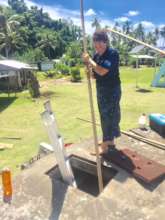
<point>152,10</point>
<point>149,12</point>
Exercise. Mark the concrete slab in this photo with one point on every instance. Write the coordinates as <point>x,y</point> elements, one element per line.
<point>39,197</point>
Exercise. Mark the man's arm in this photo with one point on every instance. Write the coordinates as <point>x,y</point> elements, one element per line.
<point>97,68</point>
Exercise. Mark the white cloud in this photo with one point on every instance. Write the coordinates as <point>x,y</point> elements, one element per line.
<point>29,3</point>
<point>55,11</point>
<point>106,22</point>
<point>133,13</point>
<point>148,26</point>
<point>161,26</point>
<point>90,12</point>
<point>122,19</point>
<point>3,2</point>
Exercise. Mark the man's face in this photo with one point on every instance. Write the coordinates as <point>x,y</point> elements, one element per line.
<point>100,46</point>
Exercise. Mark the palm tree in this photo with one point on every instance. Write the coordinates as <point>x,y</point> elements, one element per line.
<point>139,32</point>
<point>162,33</point>
<point>127,27</point>
<point>1,9</point>
<point>96,24</point>
<point>9,38</point>
<point>157,33</point>
<point>47,44</point>
<point>12,43</point>
<point>150,38</point>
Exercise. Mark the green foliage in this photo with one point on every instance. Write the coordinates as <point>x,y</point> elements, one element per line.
<point>10,39</point>
<point>75,73</point>
<point>50,73</point>
<point>73,54</point>
<point>31,56</point>
<point>36,30</point>
<point>18,5</point>
<point>162,60</point>
<point>132,62</point>
<point>62,69</point>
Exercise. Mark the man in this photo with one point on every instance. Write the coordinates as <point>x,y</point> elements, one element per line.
<point>105,65</point>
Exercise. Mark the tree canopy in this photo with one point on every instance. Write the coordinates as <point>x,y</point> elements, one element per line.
<point>29,34</point>
<point>23,30</point>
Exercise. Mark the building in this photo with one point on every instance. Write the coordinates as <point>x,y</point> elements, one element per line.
<point>14,74</point>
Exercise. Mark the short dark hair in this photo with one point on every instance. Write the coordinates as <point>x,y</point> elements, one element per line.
<point>101,36</point>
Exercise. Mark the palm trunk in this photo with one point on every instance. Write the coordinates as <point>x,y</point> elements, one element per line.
<point>6,52</point>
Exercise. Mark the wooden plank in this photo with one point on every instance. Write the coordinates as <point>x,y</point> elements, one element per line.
<point>5,146</point>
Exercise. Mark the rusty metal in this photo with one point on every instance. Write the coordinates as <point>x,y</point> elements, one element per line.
<point>136,164</point>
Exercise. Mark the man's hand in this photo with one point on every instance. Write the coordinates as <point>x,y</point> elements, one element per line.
<point>86,58</point>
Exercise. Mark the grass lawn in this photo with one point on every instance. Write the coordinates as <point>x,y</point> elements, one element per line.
<point>20,117</point>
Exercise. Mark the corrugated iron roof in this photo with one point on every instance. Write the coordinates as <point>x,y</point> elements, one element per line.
<point>143,57</point>
<point>13,64</point>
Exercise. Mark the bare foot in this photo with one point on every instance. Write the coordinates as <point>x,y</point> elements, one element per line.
<point>101,151</point>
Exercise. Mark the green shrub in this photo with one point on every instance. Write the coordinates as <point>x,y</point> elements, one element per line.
<point>50,73</point>
<point>62,68</point>
<point>75,73</point>
<point>132,62</point>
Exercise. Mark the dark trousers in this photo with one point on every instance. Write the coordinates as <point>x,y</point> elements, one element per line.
<point>109,108</point>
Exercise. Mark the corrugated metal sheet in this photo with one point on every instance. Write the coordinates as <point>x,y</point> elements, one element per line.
<point>13,65</point>
<point>143,57</point>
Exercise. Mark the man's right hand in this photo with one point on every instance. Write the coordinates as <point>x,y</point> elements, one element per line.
<point>85,57</point>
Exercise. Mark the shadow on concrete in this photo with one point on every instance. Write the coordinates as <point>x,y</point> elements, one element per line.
<point>59,189</point>
<point>118,158</point>
<point>5,102</point>
<point>151,186</point>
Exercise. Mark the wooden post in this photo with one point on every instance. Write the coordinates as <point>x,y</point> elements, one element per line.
<point>137,66</point>
<point>98,160</point>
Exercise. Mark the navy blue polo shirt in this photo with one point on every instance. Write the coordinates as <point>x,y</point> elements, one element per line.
<point>110,61</point>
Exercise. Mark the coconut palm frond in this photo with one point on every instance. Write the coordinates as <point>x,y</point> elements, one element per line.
<point>2,35</point>
<point>15,18</point>
<point>2,46</point>
<point>13,24</point>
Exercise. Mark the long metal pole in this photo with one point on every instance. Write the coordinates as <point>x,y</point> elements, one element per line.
<point>98,160</point>
<point>133,39</point>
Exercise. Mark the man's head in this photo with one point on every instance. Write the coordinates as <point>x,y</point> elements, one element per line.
<point>100,41</point>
